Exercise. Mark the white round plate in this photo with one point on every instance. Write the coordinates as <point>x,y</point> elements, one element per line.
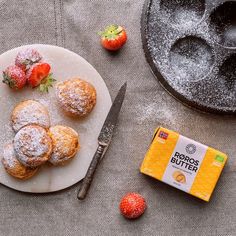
<point>64,65</point>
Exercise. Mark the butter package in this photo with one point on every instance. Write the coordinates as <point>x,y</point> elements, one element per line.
<point>183,163</point>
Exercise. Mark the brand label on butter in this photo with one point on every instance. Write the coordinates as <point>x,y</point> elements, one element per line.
<point>183,163</point>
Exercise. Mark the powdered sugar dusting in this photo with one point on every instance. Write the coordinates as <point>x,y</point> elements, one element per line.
<point>9,157</point>
<point>184,48</point>
<point>30,112</point>
<point>65,144</point>
<point>14,77</point>
<point>13,166</point>
<point>182,13</point>
<point>188,53</point>
<point>32,145</point>
<point>69,66</point>
<point>222,22</point>
<point>154,110</point>
<point>27,57</point>
<point>76,96</point>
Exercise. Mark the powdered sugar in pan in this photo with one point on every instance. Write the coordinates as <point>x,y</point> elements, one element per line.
<point>190,46</point>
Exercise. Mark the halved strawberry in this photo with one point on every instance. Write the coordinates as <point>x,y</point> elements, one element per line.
<point>39,75</point>
<point>14,77</point>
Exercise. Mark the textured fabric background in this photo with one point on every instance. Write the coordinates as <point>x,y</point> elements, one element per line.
<point>73,24</point>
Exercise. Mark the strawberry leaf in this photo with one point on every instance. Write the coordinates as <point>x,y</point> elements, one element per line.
<point>46,83</point>
<point>111,32</point>
<point>8,80</point>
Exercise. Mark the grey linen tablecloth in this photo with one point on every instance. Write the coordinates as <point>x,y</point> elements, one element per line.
<point>73,25</point>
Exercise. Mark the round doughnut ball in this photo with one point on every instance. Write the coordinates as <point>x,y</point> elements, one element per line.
<point>13,167</point>
<point>65,143</point>
<point>33,145</point>
<point>29,112</point>
<point>76,97</point>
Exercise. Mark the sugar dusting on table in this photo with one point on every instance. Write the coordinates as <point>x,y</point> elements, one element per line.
<point>155,109</point>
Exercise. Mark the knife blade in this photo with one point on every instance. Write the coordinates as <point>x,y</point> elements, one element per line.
<point>104,140</point>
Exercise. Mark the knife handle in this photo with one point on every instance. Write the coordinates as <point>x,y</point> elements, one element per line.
<point>90,173</point>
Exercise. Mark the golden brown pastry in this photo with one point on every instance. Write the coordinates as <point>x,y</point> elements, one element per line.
<point>179,177</point>
<point>65,142</point>
<point>76,97</point>
<point>29,112</point>
<point>33,145</point>
<point>13,166</point>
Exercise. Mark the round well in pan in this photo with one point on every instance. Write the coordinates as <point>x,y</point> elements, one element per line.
<point>223,23</point>
<point>182,13</point>
<point>191,58</point>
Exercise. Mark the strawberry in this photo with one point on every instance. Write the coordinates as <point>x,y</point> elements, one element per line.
<point>132,205</point>
<point>14,77</point>
<point>39,75</point>
<point>113,37</point>
<point>26,58</point>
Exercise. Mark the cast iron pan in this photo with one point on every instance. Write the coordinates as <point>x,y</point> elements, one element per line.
<point>191,48</point>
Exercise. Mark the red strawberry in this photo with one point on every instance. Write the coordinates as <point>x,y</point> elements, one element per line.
<point>39,75</point>
<point>14,77</point>
<point>113,37</point>
<point>132,205</point>
<point>26,58</point>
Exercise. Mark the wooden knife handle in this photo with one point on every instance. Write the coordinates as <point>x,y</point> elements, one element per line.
<point>90,173</point>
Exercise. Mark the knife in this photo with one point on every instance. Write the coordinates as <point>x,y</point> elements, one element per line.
<point>104,140</point>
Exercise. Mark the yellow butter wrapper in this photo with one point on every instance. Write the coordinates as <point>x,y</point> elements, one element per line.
<point>183,163</point>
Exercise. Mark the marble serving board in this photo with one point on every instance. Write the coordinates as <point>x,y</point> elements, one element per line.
<point>64,65</point>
